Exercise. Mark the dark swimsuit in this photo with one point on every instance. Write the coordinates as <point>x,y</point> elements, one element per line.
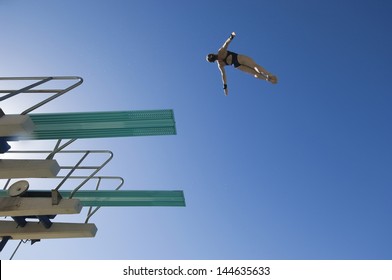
<point>234,59</point>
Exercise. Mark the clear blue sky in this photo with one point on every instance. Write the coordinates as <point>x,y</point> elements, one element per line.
<point>297,170</point>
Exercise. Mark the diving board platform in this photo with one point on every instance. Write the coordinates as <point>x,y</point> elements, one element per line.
<point>101,124</point>
<point>128,198</point>
<point>107,198</point>
<point>32,210</point>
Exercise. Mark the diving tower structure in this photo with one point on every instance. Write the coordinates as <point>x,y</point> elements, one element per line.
<point>32,210</point>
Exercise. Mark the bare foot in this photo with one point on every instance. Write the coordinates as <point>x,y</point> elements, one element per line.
<point>273,79</point>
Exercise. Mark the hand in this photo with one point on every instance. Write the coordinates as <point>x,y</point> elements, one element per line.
<point>226,91</point>
<point>233,34</point>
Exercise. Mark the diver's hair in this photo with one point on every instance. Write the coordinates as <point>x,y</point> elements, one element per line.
<point>211,57</point>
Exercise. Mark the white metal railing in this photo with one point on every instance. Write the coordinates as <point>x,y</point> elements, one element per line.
<point>32,88</point>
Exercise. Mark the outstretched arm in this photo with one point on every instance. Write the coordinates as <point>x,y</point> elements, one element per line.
<point>226,44</point>
<point>224,80</point>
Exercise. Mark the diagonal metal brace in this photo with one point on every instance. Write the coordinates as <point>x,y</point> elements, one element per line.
<point>4,242</point>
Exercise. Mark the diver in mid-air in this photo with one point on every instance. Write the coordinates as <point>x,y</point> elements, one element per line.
<point>225,57</point>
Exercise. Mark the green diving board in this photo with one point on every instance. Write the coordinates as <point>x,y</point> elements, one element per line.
<point>120,198</point>
<point>102,124</point>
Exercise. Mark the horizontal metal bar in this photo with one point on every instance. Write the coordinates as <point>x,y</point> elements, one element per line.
<point>80,167</point>
<point>22,90</point>
<point>59,152</point>
<point>39,78</point>
<point>33,91</point>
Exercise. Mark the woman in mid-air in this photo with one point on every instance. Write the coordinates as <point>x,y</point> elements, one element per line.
<point>225,57</point>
